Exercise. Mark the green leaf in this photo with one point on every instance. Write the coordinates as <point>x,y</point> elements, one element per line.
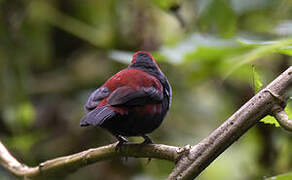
<point>286,50</point>
<point>212,52</point>
<point>288,110</point>
<point>270,120</point>
<point>287,176</point>
<point>260,50</point>
<point>253,43</point>
<point>257,82</point>
<point>165,4</point>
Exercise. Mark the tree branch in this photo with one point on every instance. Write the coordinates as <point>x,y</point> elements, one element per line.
<point>282,117</point>
<point>67,164</point>
<point>201,155</point>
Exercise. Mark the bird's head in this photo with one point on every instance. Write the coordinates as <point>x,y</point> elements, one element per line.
<point>143,60</point>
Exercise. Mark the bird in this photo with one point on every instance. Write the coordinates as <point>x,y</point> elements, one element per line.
<point>133,102</point>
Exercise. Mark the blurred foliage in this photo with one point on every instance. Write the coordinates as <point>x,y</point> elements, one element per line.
<point>257,82</point>
<point>54,53</point>
<point>281,177</point>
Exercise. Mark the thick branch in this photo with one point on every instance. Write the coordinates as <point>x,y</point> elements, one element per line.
<point>201,155</point>
<point>73,162</point>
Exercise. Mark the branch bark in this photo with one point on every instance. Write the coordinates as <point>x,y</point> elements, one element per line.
<point>190,161</point>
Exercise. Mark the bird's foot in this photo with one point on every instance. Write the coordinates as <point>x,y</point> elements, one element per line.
<point>122,140</point>
<point>147,140</point>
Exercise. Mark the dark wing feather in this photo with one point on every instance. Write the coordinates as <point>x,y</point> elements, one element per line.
<point>97,116</point>
<point>129,97</point>
<point>96,97</point>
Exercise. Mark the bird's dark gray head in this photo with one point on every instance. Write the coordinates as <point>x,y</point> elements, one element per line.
<point>143,60</point>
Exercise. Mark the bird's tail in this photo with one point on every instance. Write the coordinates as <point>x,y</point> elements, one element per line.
<point>97,116</point>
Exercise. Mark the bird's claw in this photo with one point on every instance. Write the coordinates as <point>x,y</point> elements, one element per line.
<point>121,141</point>
<point>147,140</point>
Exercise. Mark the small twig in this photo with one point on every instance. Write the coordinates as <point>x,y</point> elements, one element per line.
<point>282,117</point>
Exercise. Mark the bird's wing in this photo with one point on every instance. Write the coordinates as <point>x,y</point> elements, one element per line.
<point>127,96</point>
<point>96,97</point>
<point>97,116</point>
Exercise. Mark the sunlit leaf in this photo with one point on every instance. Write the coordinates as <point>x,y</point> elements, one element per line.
<point>247,42</point>
<point>288,110</point>
<point>257,82</point>
<point>165,4</point>
<point>259,52</point>
<point>209,52</point>
<point>270,120</point>
<point>252,43</point>
<point>287,176</point>
<point>198,46</point>
<point>286,50</point>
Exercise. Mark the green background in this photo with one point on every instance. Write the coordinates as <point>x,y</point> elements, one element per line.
<point>54,53</point>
